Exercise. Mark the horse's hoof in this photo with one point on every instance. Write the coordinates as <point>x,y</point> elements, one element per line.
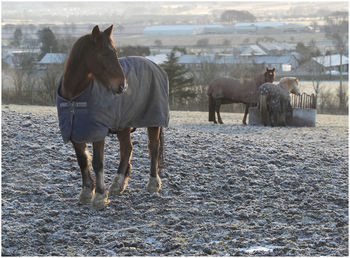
<point>99,201</point>
<point>119,184</point>
<point>154,184</point>
<point>86,195</point>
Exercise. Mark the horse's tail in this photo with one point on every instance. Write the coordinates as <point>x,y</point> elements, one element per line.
<point>263,108</point>
<point>211,108</point>
<point>161,149</point>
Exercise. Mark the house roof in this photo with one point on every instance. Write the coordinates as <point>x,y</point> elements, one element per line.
<point>222,59</point>
<point>284,59</point>
<point>269,46</point>
<point>195,59</point>
<point>253,50</point>
<point>158,59</point>
<point>53,58</point>
<point>259,24</point>
<point>331,60</point>
<point>180,28</point>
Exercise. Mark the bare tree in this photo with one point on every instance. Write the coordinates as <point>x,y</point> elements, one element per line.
<point>337,25</point>
<point>316,81</point>
<point>50,80</point>
<point>23,69</point>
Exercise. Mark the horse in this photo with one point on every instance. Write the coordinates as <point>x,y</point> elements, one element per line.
<point>226,90</point>
<point>274,101</point>
<point>100,94</point>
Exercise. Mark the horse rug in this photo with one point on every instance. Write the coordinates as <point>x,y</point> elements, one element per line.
<point>276,93</point>
<point>95,112</point>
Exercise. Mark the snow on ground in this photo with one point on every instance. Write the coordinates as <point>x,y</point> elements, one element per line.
<point>227,190</point>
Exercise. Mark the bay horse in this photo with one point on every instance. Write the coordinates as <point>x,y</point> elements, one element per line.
<point>274,101</point>
<point>226,90</point>
<point>99,94</point>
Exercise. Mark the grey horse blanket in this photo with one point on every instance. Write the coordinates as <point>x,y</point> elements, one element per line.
<point>95,112</point>
<point>276,93</point>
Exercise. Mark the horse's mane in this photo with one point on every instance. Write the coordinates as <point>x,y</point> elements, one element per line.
<point>291,83</point>
<point>75,56</point>
<point>285,79</point>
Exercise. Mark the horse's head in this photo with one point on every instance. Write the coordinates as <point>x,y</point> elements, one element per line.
<point>269,74</point>
<point>102,61</point>
<point>292,84</point>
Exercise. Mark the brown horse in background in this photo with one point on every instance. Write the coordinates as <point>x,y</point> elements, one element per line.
<point>230,90</point>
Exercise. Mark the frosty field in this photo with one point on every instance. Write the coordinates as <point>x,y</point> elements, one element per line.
<point>227,190</point>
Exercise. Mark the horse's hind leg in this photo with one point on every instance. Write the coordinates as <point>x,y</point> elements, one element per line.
<point>217,108</point>
<point>121,180</point>
<point>246,108</point>
<point>154,183</point>
<point>100,199</point>
<point>83,157</point>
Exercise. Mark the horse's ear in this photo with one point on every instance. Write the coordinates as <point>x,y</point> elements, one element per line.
<point>273,69</point>
<point>95,33</point>
<point>109,30</point>
<point>266,69</point>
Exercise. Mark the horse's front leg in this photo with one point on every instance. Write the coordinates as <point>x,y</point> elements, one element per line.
<point>154,183</point>
<point>83,157</point>
<point>100,199</point>
<point>121,180</point>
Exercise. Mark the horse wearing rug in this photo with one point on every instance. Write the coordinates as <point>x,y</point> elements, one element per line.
<point>274,101</point>
<point>230,90</point>
<point>101,94</point>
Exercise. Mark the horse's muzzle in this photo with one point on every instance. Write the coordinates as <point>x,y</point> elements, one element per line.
<point>121,88</point>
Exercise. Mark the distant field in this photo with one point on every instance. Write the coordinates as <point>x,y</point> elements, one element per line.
<point>215,39</point>
<point>331,86</point>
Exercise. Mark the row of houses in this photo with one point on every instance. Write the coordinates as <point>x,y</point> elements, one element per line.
<point>287,63</point>
<point>13,58</point>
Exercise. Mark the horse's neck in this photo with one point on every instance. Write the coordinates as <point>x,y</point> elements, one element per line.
<point>284,90</point>
<point>260,79</point>
<point>285,86</point>
<point>73,84</point>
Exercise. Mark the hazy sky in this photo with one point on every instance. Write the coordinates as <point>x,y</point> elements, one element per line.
<point>61,12</point>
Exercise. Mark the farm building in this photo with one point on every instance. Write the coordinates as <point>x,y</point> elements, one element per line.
<point>255,27</point>
<point>182,29</point>
<point>331,63</point>
<point>268,27</point>
<point>283,63</point>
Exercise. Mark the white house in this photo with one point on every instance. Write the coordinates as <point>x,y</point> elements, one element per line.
<point>332,63</point>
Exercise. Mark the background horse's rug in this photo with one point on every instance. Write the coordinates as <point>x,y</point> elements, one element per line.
<point>96,111</point>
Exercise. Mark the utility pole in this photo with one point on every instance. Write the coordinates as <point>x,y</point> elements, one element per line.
<point>341,97</point>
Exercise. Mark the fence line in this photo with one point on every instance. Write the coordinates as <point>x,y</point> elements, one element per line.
<point>303,101</point>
